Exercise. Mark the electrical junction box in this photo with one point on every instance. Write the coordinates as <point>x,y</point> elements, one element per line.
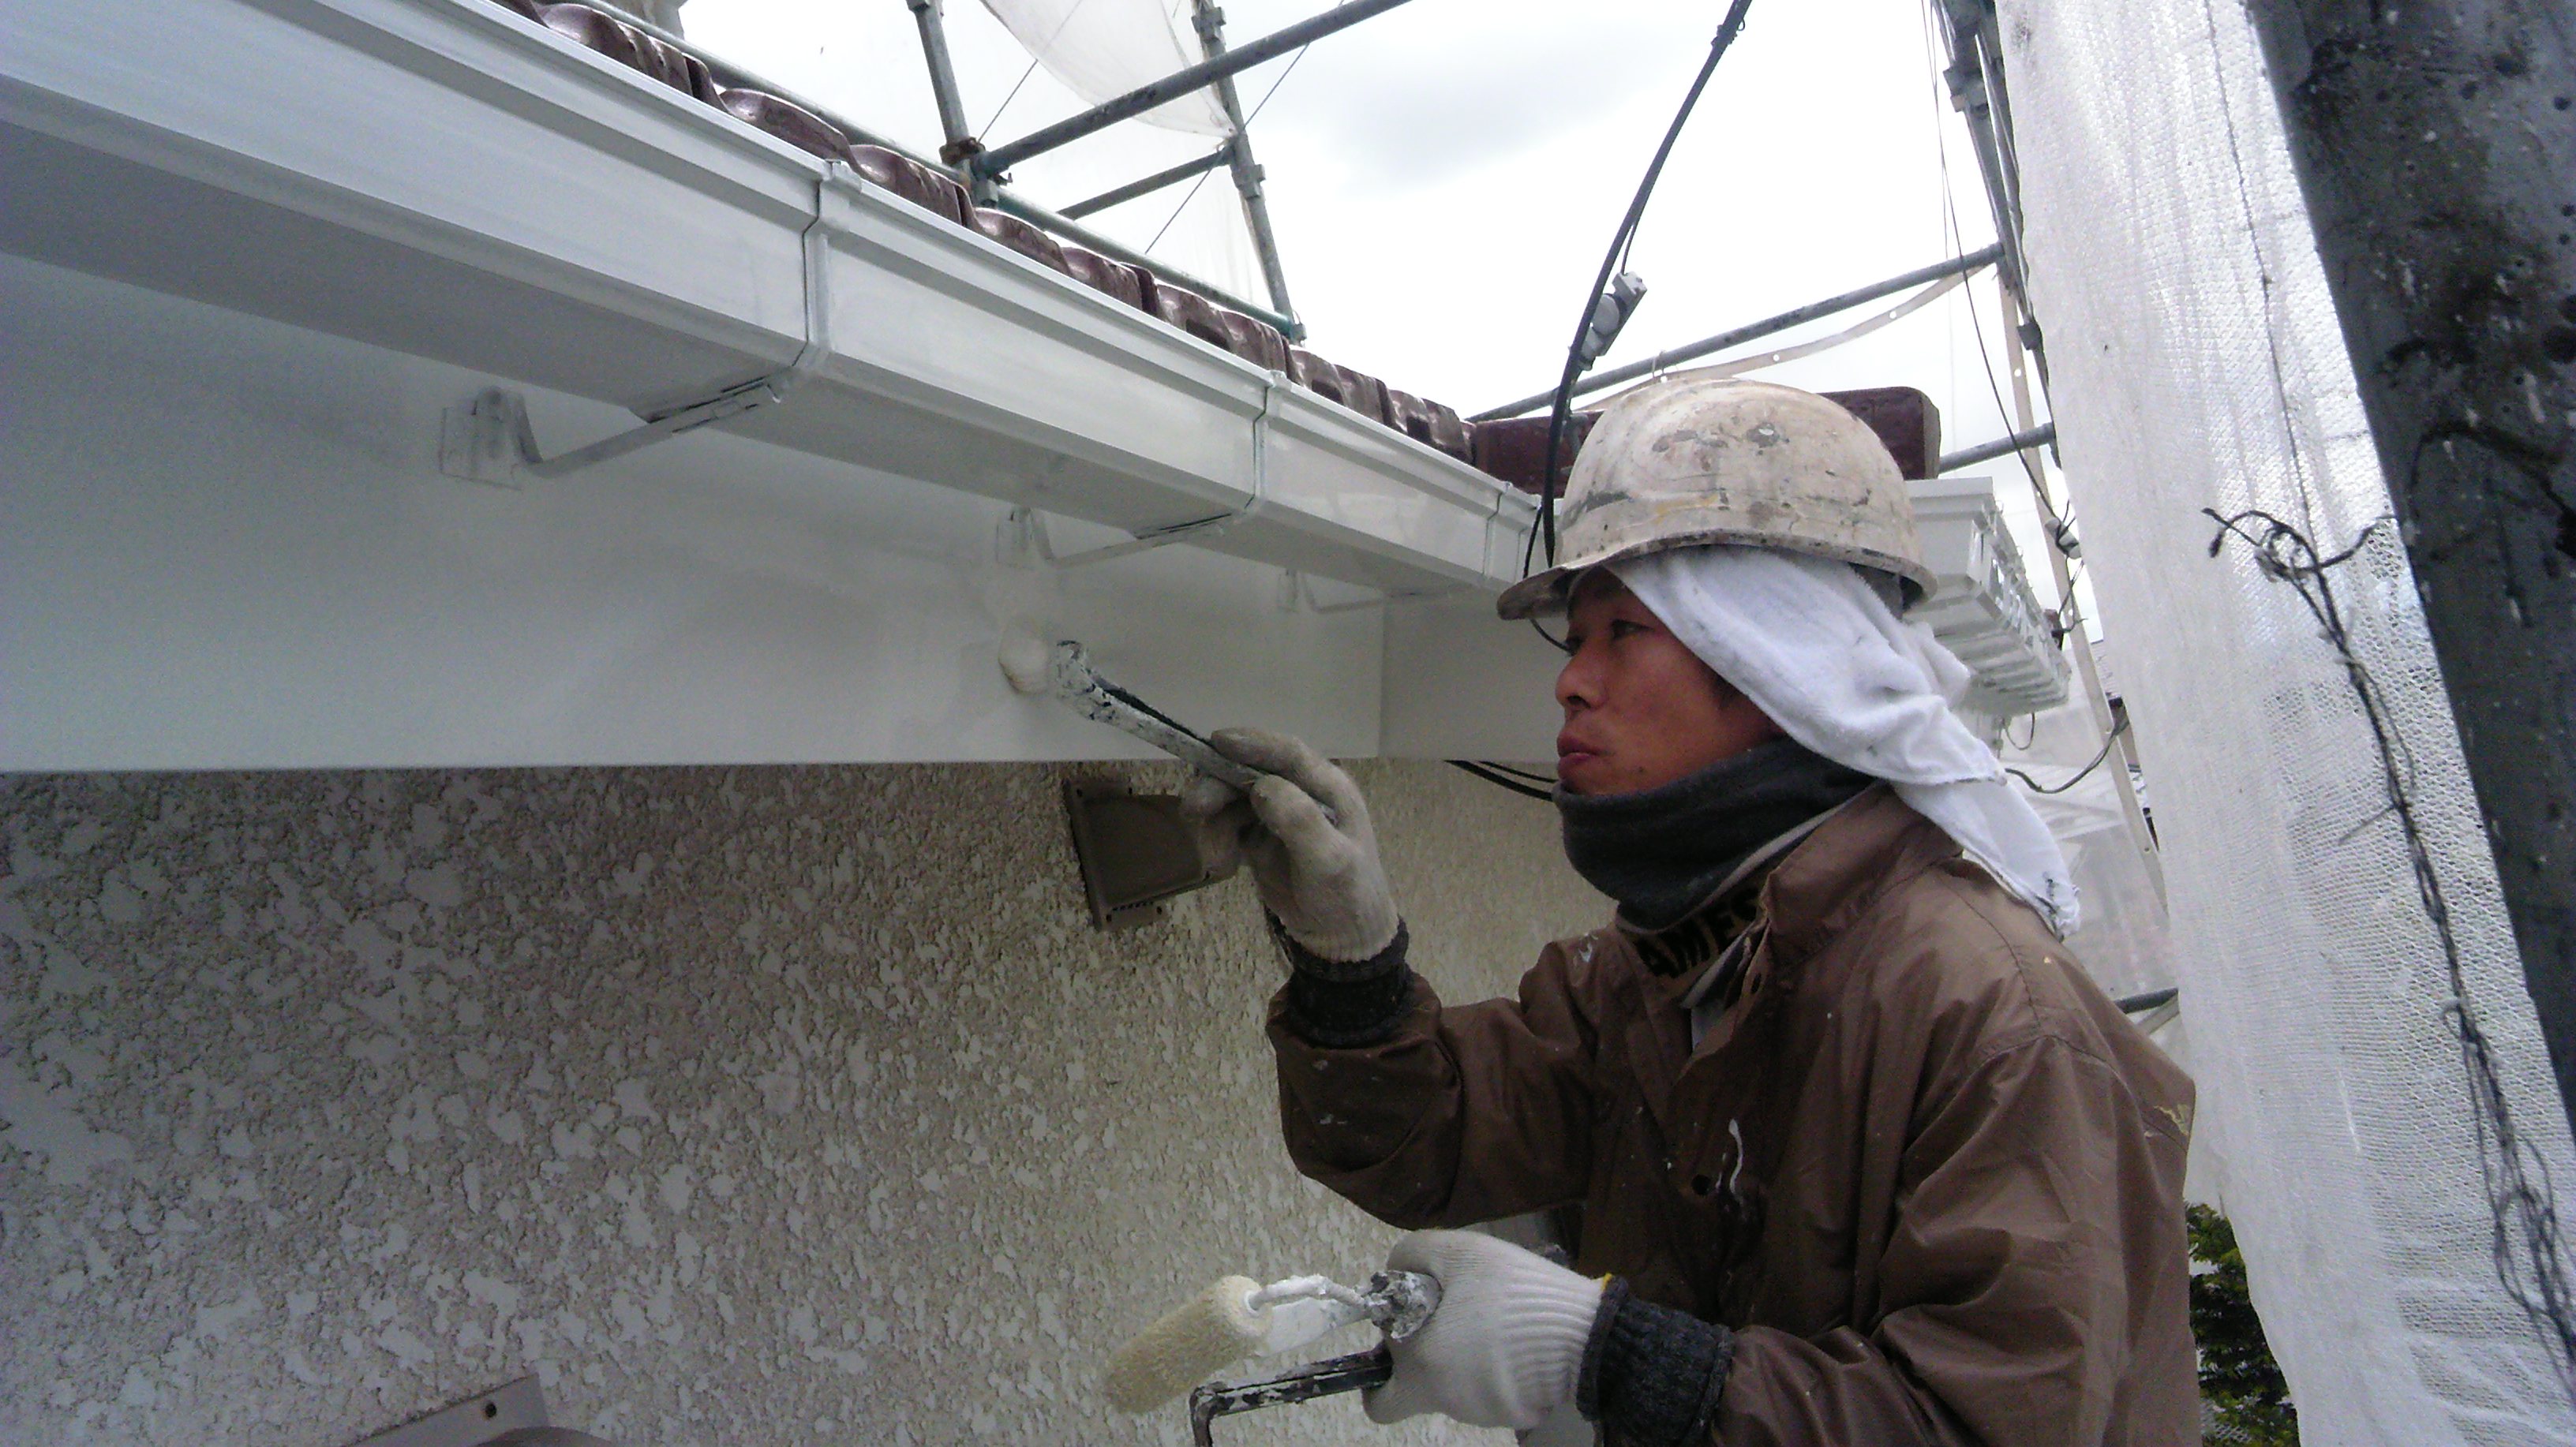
<point>1135,850</point>
<point>1982,607</point>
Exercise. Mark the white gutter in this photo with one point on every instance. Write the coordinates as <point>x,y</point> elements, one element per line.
<point>460,185</point>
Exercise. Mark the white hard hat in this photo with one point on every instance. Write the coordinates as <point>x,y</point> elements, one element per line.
<point>1693,460</point>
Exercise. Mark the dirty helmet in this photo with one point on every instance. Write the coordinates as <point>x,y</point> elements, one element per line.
<point>1691,460</point>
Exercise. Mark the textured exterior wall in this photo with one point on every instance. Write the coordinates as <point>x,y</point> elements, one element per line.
<point>742,1106</point>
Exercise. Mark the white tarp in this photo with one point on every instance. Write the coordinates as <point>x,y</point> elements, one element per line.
<point>1102,49</point>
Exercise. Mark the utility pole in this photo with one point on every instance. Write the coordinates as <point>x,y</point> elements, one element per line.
<point>2436,145</point>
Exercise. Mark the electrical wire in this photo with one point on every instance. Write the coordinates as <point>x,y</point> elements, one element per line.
<point>2037,787</point>
<point>996,118</point>
<point>1501,781</point>
<point>1620,243</point>
<point>1033,66</point>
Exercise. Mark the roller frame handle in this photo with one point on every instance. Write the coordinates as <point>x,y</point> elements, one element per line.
<point>1332,1376</point>
<point>1081,688</point>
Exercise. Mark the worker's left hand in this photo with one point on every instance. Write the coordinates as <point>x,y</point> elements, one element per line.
<point>1316,871</point>
<point>1503,1348</point>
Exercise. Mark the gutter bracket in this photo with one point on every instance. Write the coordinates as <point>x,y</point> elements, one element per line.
<point>491,440</point>
<point>1297,591</point>
<point>1024,541</point>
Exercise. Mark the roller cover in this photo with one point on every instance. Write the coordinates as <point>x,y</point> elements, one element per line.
<point>1201,1336</point>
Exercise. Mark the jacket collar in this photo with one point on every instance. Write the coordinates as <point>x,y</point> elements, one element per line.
<point>1835,874</point>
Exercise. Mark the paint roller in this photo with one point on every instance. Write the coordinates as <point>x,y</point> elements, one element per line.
<point>1235,1318</point>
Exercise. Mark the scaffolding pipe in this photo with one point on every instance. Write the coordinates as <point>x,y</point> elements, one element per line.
<point>1210,23</point>
<point>735,77</point>
<point>961,142</point>
<point>1001,159</point>
<point>1982,257</point>
<point>1975,97</point>
<point>1121,195</point>
<point>2044,435</point>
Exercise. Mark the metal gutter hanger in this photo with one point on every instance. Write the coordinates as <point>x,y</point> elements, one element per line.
<point>1026,542</point>
<point>492,441</point>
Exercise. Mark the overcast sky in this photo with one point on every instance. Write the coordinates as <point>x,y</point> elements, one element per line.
<point>1444,178</point>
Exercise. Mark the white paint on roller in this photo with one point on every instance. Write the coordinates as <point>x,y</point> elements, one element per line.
<point>1293,1324</point>
<point>1025,662</point>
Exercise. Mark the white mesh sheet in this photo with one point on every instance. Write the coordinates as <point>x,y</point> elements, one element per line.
<point>2196,363</point>
<point>1102,49</point>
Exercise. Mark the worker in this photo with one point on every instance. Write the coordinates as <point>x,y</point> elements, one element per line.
<point>1852,1149</point>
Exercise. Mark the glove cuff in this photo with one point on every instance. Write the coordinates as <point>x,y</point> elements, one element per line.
<point>1306,961</point>
<point>1341,1004</point>
<point>1651,1375</point>
<point>1388,959</point>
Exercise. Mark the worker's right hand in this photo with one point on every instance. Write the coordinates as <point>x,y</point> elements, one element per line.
<point>1506,1342</point>
<point>1316,872</point>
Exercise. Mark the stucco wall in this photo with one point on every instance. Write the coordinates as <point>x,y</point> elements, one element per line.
<point>742,1106</point>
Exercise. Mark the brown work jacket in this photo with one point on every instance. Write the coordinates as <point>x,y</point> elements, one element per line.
<point>1922,1166</point>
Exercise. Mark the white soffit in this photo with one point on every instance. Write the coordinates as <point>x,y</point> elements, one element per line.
<point>225,543</point>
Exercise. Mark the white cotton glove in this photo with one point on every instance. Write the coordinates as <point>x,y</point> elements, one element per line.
<point>1505,1345</point>
<point>1318,873</point>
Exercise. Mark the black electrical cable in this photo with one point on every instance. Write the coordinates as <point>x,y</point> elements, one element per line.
<point>1527,791</point>
<point>1544,781</point>
<point>1619,243</point>
<point>2037,787</point>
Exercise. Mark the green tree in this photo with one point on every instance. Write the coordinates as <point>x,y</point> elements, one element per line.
<point>2247,1399</point>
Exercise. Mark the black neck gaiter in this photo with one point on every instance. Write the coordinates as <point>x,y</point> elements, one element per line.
<point>1661,852</point>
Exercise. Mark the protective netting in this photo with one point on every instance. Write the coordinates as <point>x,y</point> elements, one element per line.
<point>2197,364</point>
<point>1102,49</point>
